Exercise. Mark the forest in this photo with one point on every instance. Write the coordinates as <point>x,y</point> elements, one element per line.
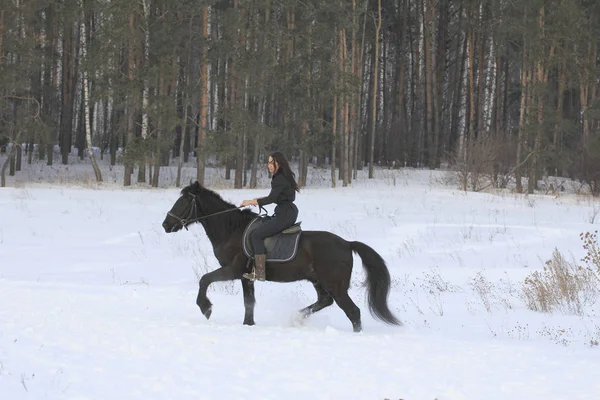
<point>505,92</point>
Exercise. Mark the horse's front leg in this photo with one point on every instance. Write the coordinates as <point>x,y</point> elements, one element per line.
<point>249,301</point>
<point>227,273</point>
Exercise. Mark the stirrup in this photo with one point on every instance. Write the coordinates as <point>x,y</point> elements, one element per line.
<point>252,276</point>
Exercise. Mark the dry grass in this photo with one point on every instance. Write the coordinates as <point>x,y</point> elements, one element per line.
<point>590,244</point>
<point>561,286</point>
<point>593,337</point>
<point>484,290</point>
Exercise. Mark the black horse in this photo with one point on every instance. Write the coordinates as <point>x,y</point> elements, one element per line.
<point>322,258</point>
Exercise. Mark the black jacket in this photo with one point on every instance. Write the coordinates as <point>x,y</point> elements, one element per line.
<point>282,191</point>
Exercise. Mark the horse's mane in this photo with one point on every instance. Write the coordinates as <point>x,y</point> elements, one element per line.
<point>211,202</point>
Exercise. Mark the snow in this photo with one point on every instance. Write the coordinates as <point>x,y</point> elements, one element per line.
<point>97,302</point>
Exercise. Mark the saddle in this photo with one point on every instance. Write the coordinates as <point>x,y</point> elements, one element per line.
<point>281,247</point>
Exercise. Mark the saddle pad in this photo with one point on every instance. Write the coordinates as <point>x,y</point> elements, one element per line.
<point>280,247</point>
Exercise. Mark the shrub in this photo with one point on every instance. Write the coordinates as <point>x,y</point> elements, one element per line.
<point>562,285</point>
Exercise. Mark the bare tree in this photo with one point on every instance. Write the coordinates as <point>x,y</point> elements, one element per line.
<point>86,102</point>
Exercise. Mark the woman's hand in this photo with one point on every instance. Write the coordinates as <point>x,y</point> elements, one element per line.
<point>252,202</point>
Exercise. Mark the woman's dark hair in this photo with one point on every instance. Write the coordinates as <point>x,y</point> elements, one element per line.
<point>285,169</point>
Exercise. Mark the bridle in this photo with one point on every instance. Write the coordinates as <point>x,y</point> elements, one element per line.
<point>191,214</point>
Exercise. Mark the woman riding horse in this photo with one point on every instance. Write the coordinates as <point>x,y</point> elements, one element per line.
<point>283,187</point>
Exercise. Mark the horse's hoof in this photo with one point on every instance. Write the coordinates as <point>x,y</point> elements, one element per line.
<point>205,308</point>
<point>249,323</point>
<point>299,320</point>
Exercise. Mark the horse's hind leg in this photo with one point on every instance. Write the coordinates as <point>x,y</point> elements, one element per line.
<point>336,280</point>
<point>352,311</point>
<point>324,299</point>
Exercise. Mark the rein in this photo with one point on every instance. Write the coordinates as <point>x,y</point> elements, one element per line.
<point>192,210</point>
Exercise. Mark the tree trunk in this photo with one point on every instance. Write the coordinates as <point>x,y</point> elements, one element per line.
<point>482,41</point>
<point>144,160</point>
<point>358,160</point>
<point>456,136</point>
<point>354,99</point>
<point>261,105</point>
<point>556,142</point>
<point>237,105</point>
<point>334,137</point>
<point>66,115</point>
<point>334,133</point>
<point>131,104</point>
<point>9,159</point>
<point>19,156</point>
<point>80,134</point>
<point>522,139</point>
<point>1,36</point>
<point>257,143</point>
<point>86,104</point>
<point>415,140</point>
<point>374,98</point>
<point>345,110</point>
<point>541,79</point>
<point>439,78</point>
<point>471,59</point>
<point>163,93</point>
<point>181,146</point>
<point>201,138</point>
<point>50,84</point>
<point>308,113</point>
<point>584,89</point>
<point>496,108</point>
<point>428,55</point>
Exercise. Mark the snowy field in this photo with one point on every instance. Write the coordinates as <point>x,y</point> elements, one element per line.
<point>97,302</point>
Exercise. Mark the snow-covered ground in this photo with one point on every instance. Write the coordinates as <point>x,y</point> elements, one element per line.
<point>97,302</point>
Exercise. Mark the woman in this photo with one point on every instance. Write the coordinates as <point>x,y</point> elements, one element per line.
<point>283,187</point>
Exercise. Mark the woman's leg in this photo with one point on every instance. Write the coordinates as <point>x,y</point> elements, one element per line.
<point>266,229</point>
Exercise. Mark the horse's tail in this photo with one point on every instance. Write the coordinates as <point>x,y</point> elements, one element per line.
<point>378,281</point>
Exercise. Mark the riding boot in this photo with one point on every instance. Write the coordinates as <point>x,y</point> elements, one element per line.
<point>258,274</point>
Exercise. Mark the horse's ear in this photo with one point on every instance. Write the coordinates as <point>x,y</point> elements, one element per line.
<point>195,186</point>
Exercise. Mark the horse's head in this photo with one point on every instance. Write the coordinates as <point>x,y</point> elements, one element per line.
<point>186,208</point>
